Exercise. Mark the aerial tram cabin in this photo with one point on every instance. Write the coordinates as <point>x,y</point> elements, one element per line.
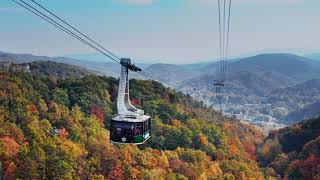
<point>131,126</point>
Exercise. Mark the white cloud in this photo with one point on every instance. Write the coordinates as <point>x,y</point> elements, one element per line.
<point>138,2</point>
<point>256,2</point>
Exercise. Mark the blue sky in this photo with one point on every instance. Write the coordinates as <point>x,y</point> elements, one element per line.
<point>171,31</point>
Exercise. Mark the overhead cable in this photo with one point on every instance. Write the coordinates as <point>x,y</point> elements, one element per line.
<point>37,12</point>
<point>68,24</point>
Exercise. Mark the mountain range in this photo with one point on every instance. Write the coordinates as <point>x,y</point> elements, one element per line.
<point>278,89</point>
<point>272,86</point>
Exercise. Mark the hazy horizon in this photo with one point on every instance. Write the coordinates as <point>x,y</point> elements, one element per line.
<point>97,57</point>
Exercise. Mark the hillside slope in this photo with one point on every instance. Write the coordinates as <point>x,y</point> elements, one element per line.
<point>107,68</point>
<point>171,73</point>
<point>47,68</point>
<point>309,111</point>
<point>263,73</point>
<point>300,99</point>
<point>56,129</point>
<point>293,152</point>
<point>21,58</point>
<point>301,68</point>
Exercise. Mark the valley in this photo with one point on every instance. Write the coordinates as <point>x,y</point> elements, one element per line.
<point>262,90</point>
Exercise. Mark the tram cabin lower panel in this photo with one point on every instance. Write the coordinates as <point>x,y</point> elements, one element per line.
<point>130,130</point>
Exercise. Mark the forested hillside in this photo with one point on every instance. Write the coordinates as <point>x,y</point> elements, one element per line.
<point>58,129</point>
<point>294,152</point>
<point>49,68</point>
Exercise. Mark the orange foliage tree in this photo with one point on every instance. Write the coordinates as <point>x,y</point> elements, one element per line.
<point>98,112</point>
<point>11,147</point>
<point>116,172</point>
<point>10,173</point>
<point>310,167</point>
<point>63,134</point>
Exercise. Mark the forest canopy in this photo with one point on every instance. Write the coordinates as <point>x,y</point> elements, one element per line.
<point>58,129</point>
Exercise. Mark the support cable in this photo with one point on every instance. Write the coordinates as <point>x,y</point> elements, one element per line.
<point>220,38</point>
<point>59,26</point>
<point>224,15</point>
<point>69,25</point>
<point>228,36</point>
<point>224,40</point>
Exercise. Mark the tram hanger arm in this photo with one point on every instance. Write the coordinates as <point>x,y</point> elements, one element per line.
<point>130,66</point>
<point>218,84</point>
